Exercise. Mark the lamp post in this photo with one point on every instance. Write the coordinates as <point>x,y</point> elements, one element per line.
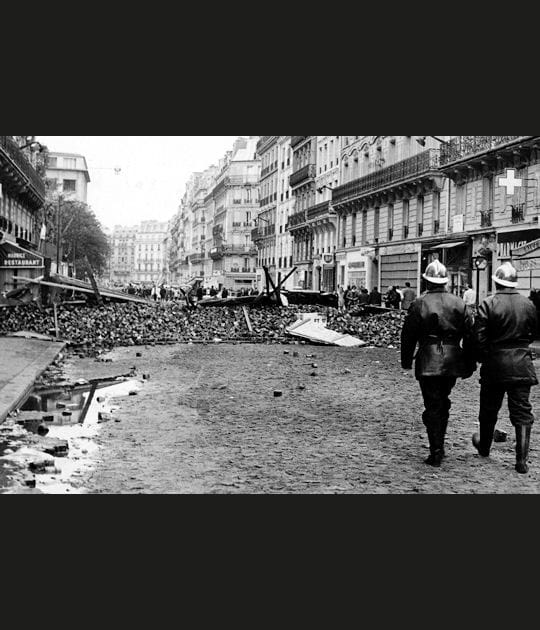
<point>481,263</point>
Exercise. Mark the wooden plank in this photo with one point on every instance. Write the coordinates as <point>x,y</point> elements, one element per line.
<point>248,320</point>
<point>70,287</point>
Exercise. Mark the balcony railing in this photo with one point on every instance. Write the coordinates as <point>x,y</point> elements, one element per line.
<point>463,146</point>
<point>518,213</point>
<point>319,211</point>
<point>217,253</point>
<point>296,140</point>
<point>297,219</point>
<point>436,226</point>
<point>486,218</point>
<point>29,176</point>
<point>417,166</point>
<point>307,172</point>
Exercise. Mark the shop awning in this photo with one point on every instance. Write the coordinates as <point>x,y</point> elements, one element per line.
<point>14,257</point>
<point>516,233</point>
<point>446,246</point>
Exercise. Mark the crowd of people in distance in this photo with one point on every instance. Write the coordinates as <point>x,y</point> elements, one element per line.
<point>169,293</point>
<point>395,298</point>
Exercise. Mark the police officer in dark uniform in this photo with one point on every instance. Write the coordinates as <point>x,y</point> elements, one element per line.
<point>438,322</point>
<point>505,327</point>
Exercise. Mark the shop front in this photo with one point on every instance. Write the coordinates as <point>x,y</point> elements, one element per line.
<point>457,258</point>
<point>399,264</point>
<point>521,247</point>
<point>15,263</point>
<point>526,260</point>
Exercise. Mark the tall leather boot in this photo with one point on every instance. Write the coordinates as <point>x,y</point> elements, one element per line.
<point>436,452</point>
<point>482,441</point>
<point>442,437</point>
<point>523,440</point>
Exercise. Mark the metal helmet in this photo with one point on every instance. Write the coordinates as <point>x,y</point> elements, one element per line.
<point>506,275</point>
<point>436,273</point>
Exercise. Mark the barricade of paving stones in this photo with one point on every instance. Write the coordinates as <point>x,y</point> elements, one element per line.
<point>92,330</point>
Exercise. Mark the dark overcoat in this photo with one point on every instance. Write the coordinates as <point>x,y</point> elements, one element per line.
<point>440,324</point>
<point>505,327</point>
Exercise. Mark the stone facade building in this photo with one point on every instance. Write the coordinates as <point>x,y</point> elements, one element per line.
<point>22,197</point>
<point>236,204</point>
<point>495,206</point>
<point>139,253</point>
<point>392,211</point>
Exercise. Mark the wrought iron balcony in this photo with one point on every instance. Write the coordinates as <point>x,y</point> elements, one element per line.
<point>401,172</point>
<point>23,177</point>
<point>296,140</point>
<point>465,146</point>
<point>304,174</point>
<point>486,218</point>
<point>518,213</point>
<point>297,219</point>
<point>320,211</point>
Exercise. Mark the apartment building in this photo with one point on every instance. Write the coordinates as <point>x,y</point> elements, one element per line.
<point>67,174</point>
<point>494,207</point>
<point>271,236</point>
<point>22,197</point>
<point>393,207</point>
<point>302,183</point>
<point>122,257</point>
<point>236,204</point>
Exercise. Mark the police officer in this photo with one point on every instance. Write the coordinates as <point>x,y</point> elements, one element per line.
<point>438,321</point>
<point>505,327</point>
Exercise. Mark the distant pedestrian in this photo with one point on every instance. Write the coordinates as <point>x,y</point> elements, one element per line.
<point>409,296</point>
<point>363,297</point>
<point>393,298</point>
<point>213,292</point>
<point>225,293</point>
<point>341,298</point>
<point>163,293</point>
<point>375,297</point>
<point>469,297</point>
<point>154,293</point>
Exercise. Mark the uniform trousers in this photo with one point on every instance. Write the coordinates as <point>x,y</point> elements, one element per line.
<point>519,406</point>
<point>436,391</point>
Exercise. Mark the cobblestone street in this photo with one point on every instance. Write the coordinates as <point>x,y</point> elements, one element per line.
<point>207,421</point>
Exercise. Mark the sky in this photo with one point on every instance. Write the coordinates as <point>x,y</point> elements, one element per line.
<point>155,170</point>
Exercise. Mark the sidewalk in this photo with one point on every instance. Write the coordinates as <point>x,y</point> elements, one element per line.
<point>21,362</point>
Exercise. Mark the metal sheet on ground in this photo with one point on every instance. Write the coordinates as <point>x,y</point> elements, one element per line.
<point>320,334</point>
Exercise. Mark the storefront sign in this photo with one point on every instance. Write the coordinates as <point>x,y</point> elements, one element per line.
<point>357,265</point>
<point>526,249</point>
<point>13,257</point>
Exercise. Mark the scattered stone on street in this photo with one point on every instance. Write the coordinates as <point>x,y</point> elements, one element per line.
<point>208,422</point>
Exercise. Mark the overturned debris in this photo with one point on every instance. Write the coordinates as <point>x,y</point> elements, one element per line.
<point>92,330</point>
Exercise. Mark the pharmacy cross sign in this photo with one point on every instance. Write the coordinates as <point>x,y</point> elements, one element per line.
<point>510,182</point>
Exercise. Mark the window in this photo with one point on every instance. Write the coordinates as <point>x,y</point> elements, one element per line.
<point>70,163</point>
<point>53,162</point>
<point>70,185</point>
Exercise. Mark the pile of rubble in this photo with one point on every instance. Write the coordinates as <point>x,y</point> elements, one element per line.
<point>93,329</point>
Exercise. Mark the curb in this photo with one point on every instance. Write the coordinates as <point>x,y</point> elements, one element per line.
<point>4,413</point>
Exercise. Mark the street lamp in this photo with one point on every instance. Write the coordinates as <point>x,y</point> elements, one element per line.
<point>481,263</point>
